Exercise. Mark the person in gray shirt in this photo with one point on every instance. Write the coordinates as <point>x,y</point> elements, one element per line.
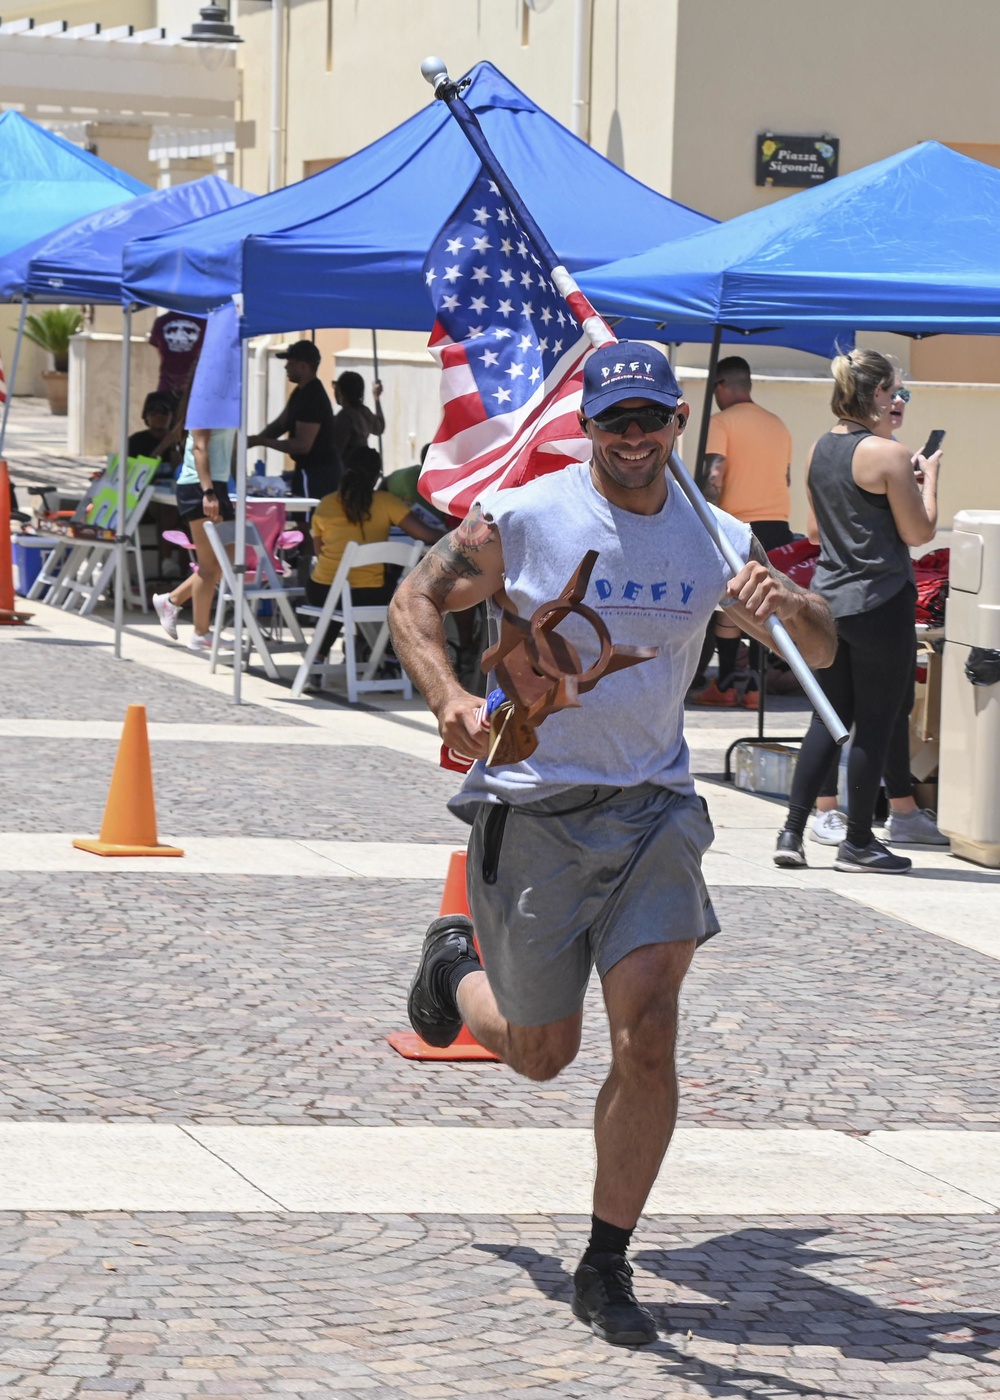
<point>589,852</point>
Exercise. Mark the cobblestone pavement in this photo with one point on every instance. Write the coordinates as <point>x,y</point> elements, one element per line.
<point>428,1308</point>
<point>44,677</point>
<point>244,1000</point>
<point>156,996</point>
<point>204,789</point>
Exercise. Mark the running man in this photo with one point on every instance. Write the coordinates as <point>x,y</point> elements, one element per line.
<point>590,850</point>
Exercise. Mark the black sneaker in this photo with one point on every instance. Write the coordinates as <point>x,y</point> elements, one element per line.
<point>789,853</point>
<point>874,859</point>
<point>604,1298</point>
<point>431,1007</point>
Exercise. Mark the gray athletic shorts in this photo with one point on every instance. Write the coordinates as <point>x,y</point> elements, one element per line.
<point>580,879</point>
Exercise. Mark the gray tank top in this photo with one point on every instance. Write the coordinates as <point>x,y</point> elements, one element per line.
<point>656,583</point>
<point>863,562</point>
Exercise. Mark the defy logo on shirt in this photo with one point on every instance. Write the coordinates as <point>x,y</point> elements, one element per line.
<point>639,596</point>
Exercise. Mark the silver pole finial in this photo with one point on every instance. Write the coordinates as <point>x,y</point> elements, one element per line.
<point>435,70</point>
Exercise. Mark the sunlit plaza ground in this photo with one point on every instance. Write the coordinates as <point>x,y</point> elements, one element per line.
<point>216,1177</point>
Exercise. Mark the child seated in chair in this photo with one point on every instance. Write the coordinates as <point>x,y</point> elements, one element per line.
<point>358,512</point>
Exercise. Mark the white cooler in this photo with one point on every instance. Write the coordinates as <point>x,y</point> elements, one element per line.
<point>969,773</point>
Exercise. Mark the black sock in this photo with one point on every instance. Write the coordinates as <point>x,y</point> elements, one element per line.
<point>728,649</point>
<point>461,969</point>
<point>606,1239</point>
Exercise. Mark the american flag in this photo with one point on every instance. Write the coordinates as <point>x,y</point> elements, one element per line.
<point>511,351</point>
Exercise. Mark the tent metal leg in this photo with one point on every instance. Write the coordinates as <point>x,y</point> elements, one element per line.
<point>706,411</point>
<point>13,372</point>
<point>375,373</point>
<point>240,562</point>
<point>121,553</point>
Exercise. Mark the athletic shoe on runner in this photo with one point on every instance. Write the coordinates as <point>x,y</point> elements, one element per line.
<point>872,859</point>
<point>828,828</point>
<point>914,829</point>
<point>788,852</point>
<point>603,1297</point>
<point>431,1007</point>
<point>167,612</point>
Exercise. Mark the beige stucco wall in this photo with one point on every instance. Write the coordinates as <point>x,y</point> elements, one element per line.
<point>969,413</point>
<point>878,76</point>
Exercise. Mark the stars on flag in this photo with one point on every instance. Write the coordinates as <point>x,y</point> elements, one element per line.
<point>508,286</point>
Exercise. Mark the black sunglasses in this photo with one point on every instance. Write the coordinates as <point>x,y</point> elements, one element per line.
<point>618,420</point>
<point>901,393</point>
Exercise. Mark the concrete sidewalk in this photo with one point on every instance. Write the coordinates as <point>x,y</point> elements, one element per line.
<point>196,1090</point>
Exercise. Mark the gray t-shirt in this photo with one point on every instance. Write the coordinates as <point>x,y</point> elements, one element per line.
<point>656,581</point>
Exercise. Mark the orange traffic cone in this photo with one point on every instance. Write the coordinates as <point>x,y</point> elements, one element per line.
<point>465,1046</point>
<point>129,825</point>
<point>9,615</point>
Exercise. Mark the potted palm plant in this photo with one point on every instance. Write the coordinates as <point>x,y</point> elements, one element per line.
<point>51,329</point>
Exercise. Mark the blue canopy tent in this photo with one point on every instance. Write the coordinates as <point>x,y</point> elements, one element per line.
<point>347,246</point>
<point>906,245</point>
<point>45,181</point>
<point>82,263</point>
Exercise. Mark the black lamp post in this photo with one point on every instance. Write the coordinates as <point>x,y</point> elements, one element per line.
<point>213,28</point>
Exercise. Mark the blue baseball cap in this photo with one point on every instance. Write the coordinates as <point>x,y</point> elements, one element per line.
<point>629,369</point>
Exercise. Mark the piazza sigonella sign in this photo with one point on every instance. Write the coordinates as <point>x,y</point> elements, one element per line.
<point>797,161</point>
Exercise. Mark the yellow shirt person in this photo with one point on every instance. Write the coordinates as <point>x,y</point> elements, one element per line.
<point>332,532</point>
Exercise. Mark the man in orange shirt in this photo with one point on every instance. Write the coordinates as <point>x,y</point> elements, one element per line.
<point>747,473</point>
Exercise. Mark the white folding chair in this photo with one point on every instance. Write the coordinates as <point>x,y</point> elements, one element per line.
<point>268,584</point>
<point>79,571</point>
<point>372,619</point>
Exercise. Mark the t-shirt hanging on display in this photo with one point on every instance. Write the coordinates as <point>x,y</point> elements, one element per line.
<point>178,339</point>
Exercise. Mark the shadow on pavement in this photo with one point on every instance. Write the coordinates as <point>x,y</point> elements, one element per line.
<point>979,876</point>
<point>728,1267</point>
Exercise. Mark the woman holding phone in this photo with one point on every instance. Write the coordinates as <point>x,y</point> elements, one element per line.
<point>907,824</point>
<point>869,507</point>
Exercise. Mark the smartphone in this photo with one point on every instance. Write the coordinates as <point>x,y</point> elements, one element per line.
<point>933,443</point>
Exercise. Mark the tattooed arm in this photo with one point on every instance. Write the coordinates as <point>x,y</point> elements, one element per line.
<point>760,591</point>
<point>461,570</point>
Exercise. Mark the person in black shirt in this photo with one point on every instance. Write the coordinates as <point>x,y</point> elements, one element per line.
<point>153,440</point>
<point>304,428</point>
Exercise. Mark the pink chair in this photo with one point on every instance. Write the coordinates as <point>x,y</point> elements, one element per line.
<point>182,541</point>
<point>269,517</point>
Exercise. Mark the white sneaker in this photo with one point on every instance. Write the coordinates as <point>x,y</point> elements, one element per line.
<point>828,828</point>
<point>203,643</point>
<point>914,829</point>
<point>167,612</point>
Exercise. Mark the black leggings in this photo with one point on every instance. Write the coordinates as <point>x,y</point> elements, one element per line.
<point>869,684</point>
<point>896,776</point>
